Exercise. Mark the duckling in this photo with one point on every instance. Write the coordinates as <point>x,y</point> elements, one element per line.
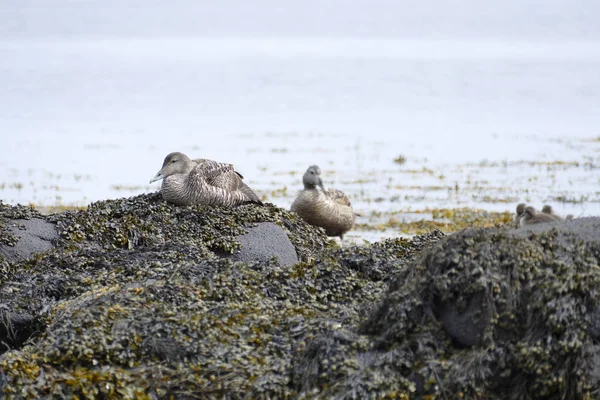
<point>531,216</point>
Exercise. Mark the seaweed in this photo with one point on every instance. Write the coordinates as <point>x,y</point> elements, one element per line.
<point>483,313</point>
<point>134,303</point>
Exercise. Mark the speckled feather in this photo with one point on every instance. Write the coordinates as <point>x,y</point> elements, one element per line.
<point>339,197</point>
<point>209,183</point>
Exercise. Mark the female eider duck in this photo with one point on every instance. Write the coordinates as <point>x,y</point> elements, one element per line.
<point>202,181</point>
<point>327,208</point>
<point>531,217</point>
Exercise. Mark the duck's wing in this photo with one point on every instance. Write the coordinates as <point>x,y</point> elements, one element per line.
<point>224,176</point>
<point>218,174</point>
<point>339,197</point>
<point>208,164</point>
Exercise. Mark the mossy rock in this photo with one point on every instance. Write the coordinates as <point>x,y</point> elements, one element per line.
<point>169,318</point>
<point>485,313</point>
<point>139,305</point>
<point>124,231</point>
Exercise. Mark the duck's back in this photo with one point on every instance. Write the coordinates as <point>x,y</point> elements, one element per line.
<point>218,174</point>
<point>209,183</point>
<point>539,218</point>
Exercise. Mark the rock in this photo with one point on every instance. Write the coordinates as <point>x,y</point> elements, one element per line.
<point>37,234</point>
<point>594,327</point>
<point>263,242</point>
<point>520,308</point>
<point>15,328</point>
<point>179,314</point>
<point>124,234</point>
<point>587,229</point>
<point>34,235</point>
<point>483,313</point>
<point>466,324</point>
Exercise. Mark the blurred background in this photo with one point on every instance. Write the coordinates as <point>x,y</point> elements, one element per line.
<point>413,108</point>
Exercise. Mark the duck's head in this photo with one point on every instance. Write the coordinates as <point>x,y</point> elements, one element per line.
<point>520,209</point>
<point>547,209</point>
<point>312,178</point>
<point>175,163</point>
<point>529,211</point>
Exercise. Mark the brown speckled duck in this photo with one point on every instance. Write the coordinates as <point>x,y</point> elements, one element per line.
<point>201,181</point>
<point>531,217</point>
<point>328,208</point>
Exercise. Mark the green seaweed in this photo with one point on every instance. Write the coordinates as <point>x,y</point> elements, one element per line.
<point>135,303</point>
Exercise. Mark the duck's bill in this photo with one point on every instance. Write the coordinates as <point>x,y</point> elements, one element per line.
<point>320,184</point>
<point>157,177</point>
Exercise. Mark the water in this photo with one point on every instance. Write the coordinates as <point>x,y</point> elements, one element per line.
<point>482,122</point>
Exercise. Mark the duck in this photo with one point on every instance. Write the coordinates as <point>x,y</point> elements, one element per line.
<point>202,182</point>
<point>547,209</point>
<point>520,211</point>
<point>531,217</point>
<point>329,209</point>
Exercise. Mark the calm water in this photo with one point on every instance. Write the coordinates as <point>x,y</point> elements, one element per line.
<point>482,123</point>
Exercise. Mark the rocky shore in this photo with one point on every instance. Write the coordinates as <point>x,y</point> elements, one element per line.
<point>136,298</point>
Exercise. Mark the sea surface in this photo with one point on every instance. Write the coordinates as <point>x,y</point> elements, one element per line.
<point>463,115</point>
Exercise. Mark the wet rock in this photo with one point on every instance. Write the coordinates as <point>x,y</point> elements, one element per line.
<point>518,308</point>
<point>465,323</point>
<point>128,235</point>
<point>31,236</point>
<point>15,328</point>
<point>263,242</point>
<point>587,229</point>
<point>256,240</point>
<point>134,302</point>
<point>594,327</point>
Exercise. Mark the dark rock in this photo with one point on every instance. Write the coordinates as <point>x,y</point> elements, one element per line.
<point>587,229</point>
<point>594,327</point>
<point>127,235</point>
<point>32,236</point>
<point>29,236</point>
<point>520,307</point>
<point>15,328</point>
<point>133,302</point>
<point>263,242</point>
<point>466,324</point>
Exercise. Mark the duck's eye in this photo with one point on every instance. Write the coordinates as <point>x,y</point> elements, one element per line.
<point>173,161</point>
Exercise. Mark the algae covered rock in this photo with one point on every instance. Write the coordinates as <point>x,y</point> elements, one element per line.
<point>245,233</point>
<point>135,301</point>
<point>125,231</point>
<point>485,313</point>
<point>126,313</point>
